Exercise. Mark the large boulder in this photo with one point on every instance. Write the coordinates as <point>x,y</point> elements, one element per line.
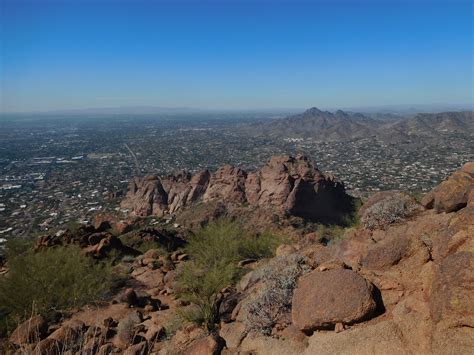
<point>454,193</point>
<point>323,299</point>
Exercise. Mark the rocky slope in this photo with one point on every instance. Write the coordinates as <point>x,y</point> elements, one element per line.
<point>320,125</point>
<point>425,124</point>
<point>291,185</point>
<point>405,287</point>
<point>340,126</point>
<point>399,283</point>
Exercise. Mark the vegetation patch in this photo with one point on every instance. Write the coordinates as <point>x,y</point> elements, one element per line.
<point>388,211</point>
<point>53,279</point>
<point>215,252</point>
<point>148,238</point>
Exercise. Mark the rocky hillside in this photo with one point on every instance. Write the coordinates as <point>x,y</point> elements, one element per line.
<point>320,125</point>
<point>399,282</point>
<point>340,126</point>
<point>430,125</point>
<point>291,185</point>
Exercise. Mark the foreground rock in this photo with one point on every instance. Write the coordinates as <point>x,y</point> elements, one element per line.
<point>323,299</point>
<point>454,193</point>
<point>292,185</point>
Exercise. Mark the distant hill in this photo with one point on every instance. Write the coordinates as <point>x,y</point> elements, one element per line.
<point>432,124</point>
<point>323,125</point>
<point>339,126</point>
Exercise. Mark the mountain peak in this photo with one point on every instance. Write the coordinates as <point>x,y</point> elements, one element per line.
<point>312,111</point>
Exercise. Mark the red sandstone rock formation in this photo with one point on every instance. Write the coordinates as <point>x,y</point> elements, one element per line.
<point>292,184</point>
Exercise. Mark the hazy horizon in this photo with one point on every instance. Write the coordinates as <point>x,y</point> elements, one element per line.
<point>132,109</point>
<point>247,55</point>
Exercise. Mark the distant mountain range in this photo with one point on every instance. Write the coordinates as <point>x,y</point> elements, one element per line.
<point>328,126</point>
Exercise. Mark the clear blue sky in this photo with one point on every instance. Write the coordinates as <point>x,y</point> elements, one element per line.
<point>234,54</point>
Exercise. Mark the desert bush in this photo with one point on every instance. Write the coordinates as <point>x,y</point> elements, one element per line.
<point>53,279</point>
<point>214,252</point>
<point>279,278</point>
<point>389,210</point>
<point>200,286</point>
<point>14,247</point>
<point>227,242</point>
<point>259,246</point>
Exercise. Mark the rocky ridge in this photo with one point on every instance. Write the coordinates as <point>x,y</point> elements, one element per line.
<point>292,185</point>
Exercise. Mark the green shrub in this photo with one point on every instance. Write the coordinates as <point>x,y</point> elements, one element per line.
<point>227,242</point>
<point>54,279</point>
<point>215,251</point>
<point>259,246</point>
<point>17,246</point>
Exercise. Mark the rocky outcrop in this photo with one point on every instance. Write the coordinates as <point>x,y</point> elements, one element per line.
<point>107,222</point>
<point>323,299</point>
<point>454,193</point>
<point>293,185</point>
<point>94,243</point>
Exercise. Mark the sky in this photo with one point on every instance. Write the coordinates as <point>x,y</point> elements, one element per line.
<point>67,54</point>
